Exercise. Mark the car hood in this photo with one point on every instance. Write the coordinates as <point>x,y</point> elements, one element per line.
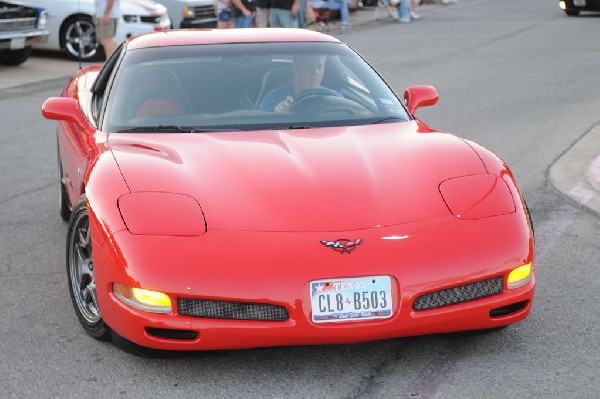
<point>327,179</point>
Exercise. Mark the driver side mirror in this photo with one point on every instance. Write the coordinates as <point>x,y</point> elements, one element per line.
<point>420,96</point>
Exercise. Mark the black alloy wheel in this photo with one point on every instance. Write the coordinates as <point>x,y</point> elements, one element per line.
<point>80,273</point>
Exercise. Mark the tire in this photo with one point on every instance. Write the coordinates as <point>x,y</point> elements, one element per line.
<point>15,57</point>
<point>63,199</point>
<point>78,39</point>
<point>80,273</point>
<point>572,13</point>
<point>530,219</point>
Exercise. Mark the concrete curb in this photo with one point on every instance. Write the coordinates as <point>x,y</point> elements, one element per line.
<point>576,174</point>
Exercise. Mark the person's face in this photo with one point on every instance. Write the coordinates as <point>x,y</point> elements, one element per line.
<point>308,72</point>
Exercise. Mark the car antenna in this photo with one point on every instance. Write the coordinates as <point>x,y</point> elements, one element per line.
<point>81,38</point>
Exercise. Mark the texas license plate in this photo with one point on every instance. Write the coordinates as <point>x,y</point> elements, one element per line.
<point>17,43</point>
<point>579,3</point>
<point>358,298</point>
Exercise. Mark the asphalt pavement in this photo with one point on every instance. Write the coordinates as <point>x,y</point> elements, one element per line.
<point>575,174</point>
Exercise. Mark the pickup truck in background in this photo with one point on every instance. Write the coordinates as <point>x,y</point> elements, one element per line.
<point>187,14</point>
<point>20,27</point>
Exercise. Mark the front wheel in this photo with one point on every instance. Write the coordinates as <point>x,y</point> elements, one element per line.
<point>15,57</point>
<point>81,274</point>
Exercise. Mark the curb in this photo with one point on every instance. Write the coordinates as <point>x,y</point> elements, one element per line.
<point>576,174</point>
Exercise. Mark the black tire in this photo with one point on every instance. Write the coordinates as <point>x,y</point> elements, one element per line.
<point>572,13</point>
<point>15,57</point>
<point>63,199</point>
<point>78,39</point>
<point>530,219</point>
<point>80,273</point>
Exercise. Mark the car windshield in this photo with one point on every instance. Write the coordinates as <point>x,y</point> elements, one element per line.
<point>247,86</point>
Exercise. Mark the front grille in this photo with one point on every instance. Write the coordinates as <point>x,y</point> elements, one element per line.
<point>230,310</point>
<point>17,24</point>
<point>459,294</point>
<point>203,12</point>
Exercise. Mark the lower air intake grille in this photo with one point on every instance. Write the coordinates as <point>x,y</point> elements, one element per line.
<point>462,293</point>
<point>230,310</point>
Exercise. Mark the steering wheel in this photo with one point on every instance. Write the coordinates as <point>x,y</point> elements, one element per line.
<point>312,93</point>
<point>324,101</point>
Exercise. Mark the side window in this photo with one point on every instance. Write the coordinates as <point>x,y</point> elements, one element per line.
<point>101,83</point>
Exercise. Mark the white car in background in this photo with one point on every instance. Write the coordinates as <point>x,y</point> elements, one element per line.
<point>72,28</point>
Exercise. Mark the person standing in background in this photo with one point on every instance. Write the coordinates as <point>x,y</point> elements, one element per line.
<point>412,7</point>
<point>243,13</point>
<point>107,14</point>
<point>262,13</point>
<point>403,7</point>
<point>284,13</point>
<point>224,14</point>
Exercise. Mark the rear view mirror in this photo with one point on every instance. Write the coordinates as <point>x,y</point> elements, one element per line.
<point>420,96</point>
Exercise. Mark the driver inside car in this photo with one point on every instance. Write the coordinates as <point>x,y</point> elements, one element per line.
<point>308,71</point>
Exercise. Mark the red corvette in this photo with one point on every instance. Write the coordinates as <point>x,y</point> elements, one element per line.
<point>265,187</point>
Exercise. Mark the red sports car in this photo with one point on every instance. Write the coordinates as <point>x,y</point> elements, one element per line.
<point>265,187</point>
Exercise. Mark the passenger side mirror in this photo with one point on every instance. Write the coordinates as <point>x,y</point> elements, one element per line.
<point>62,109</point>
<point>420,96</point>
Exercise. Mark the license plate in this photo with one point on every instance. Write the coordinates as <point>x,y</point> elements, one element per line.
<point>579,3</point>
<point>17,43</point>
<point>359,298</point>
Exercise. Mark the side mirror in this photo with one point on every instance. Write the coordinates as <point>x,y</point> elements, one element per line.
<point>62,109</point>
<point>420,96</point>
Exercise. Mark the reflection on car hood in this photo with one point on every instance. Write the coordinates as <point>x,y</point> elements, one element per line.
<point>328,179</point>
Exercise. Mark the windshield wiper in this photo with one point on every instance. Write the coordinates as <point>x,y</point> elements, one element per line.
<point>292,127</point>
<point>389,118</point>
<point>159,128</point>
<point>175,129</point>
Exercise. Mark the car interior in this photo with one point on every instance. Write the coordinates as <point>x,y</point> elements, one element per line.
<point>226,91</point>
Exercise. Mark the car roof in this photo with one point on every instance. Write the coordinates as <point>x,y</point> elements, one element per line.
<point>222,36</point>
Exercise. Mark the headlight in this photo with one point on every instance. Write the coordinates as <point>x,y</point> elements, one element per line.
<point>42,20</point>
<point>188,12</point>
<point>142,299</point>
<point>477,196</point>
<point>132,19</point>
<point>162,214</point>
<point>519,276</point>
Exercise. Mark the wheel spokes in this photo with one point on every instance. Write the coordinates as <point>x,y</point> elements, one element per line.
<point>82,271</point>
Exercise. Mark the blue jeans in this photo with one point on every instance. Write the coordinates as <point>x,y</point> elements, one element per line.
<point>300,15</point>
<point>341,5</point>
<point>403,10</point>
<point>334,5</point>
<point>279,17</point>
<point>243,22</point>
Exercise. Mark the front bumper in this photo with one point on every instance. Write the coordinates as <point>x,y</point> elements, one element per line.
<point>276,268</point>
<point>199,23</point>
<point>19,39</point>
